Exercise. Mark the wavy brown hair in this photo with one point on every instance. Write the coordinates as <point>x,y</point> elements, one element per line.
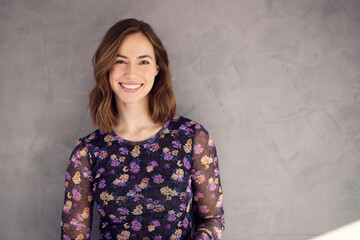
<point>102,104</point>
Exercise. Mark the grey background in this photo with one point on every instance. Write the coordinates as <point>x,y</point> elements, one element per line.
<point>276,83</point>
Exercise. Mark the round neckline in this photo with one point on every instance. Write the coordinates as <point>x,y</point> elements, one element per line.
<point>141,142</point>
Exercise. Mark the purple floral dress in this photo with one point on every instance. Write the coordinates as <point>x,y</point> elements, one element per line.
<point>146,189</point>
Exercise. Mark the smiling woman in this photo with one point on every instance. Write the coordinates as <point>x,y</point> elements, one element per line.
<point>148,169</point>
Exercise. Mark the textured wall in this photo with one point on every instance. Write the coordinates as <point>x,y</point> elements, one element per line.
<point>276,83</point>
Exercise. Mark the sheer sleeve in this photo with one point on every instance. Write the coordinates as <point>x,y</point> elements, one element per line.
<point>77,211</point>
<point>208,195</point>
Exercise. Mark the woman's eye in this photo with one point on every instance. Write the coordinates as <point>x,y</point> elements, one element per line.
<point>120,61</point>
<point>144,62</point>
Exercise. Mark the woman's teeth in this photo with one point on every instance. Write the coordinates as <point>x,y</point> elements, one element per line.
<point>131,86</point>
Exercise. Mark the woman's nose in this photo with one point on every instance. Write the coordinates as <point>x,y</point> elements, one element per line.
<point>131,71</point>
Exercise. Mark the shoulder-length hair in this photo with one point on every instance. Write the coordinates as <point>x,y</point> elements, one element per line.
<point>102,104</point>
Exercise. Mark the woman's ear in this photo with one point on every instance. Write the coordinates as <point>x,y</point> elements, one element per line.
<point>157,69</point>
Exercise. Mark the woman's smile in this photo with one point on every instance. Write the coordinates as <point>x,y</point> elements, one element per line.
<point>131,87</point>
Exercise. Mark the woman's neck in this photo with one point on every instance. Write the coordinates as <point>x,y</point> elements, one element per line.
<point>135,121</point>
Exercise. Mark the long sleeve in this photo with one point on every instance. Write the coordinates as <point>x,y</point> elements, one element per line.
<point>208,195</point>
<point>77,211</point>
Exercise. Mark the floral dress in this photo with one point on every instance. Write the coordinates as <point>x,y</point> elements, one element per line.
<point>165,187</point>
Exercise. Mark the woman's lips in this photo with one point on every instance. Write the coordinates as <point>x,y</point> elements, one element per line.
<point>130,87</point>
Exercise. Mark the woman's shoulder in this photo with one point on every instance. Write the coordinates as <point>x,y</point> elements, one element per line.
<point>185,122</point>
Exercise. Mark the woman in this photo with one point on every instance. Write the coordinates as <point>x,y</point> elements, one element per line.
<point>153,174</point>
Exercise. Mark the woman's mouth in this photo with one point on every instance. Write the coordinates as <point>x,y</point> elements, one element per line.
<point>130,87</point>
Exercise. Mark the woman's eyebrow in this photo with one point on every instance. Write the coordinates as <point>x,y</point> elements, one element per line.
<point>142,56</point>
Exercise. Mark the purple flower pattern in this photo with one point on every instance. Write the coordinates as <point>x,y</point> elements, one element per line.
<point>145,189</point>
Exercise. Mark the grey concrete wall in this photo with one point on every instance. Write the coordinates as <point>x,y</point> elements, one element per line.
<point>276,83</point>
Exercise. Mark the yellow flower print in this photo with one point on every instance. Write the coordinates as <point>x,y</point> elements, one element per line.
<point>187,147</point>
<point>165,150</point>
<point>176,116</point>
<point>85,213</point>
<point>109,138</point>
<point>124,235</point>
<point>126,225</point>
<point>175,152</point>
<point>149,168</point>
<point>135,152</point>
<point>165,190</point>
<point>178,232</point>
<point>137,210</point>
<point>121,159</point>
<point>112,216</point>
<point>192,122</point>
<point>113,156</point>
<point>124,177</point>
<point>66,184</point>
<point>125,169</point>
<point>92,136</point>
<point>206,160</point>
<point>79,237</point>
<point>179,163</point>
<point>137,147</point>
<point>83,152</point>
<point>76,178</point>
<point>180,172</point>
<point>171,212</point>
<point>210,142</point>
<point>166,130</point>
<point>173,193</point>
<point>179,224</point>
<point>144,183</point>
<point>67,205</point>
<point>151,228</point>
<point>116,181</point>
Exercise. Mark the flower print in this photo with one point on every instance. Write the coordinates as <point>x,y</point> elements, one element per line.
<point>186,163</point>
<point>137,210</point>
<point>179,163</point>
<point>103,154</point>
<point>182,207</point>
<point>121,180</point>
<point>123,211</point>
<point>165,190</point>
<point>168,156</point>
<point>151,228</point>
<point>171,218</point>
<point>134,167</point>
<point>187,147</point>
<point>153,163</point>
<point>203,209</point>
<point>115,163</point>
<point>198,149</point>
<point>176,144</point>
<point>159,208</point>
<point>156,223</point>
<point>158,178</point>
<point>122,159</point>
<point>67,206</point>
<point>135,225</point>
<point>108,138</point>
<point>185,222</point>
<point>85,213</point>
<point>175,152</point>
<point>76,194</point>
<point>125,169</point>
<point>76,178</point>
<point>166,131</point>
<point>144,183</point>
<point>199,178</point>
<point>158,237</point>
<point>210,142</point>
<point>165,150</point>
<point>149,168</point>
<point>206,160</point>
<point>154,147</point>
<point>123,151</point>
<point>124,235</point>
<point>135,152</point>
<point>102,184</point>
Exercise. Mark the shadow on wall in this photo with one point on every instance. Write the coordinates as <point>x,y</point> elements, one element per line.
<point>347,232</point>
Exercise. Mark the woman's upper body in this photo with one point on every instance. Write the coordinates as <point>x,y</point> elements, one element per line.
<point>144,166</point>
<point>145,189</point>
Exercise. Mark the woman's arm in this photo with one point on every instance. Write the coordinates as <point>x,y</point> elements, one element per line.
<point>208,195</point>
<point>77,211</point>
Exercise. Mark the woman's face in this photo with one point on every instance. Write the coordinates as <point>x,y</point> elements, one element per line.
<point>133,73</point>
